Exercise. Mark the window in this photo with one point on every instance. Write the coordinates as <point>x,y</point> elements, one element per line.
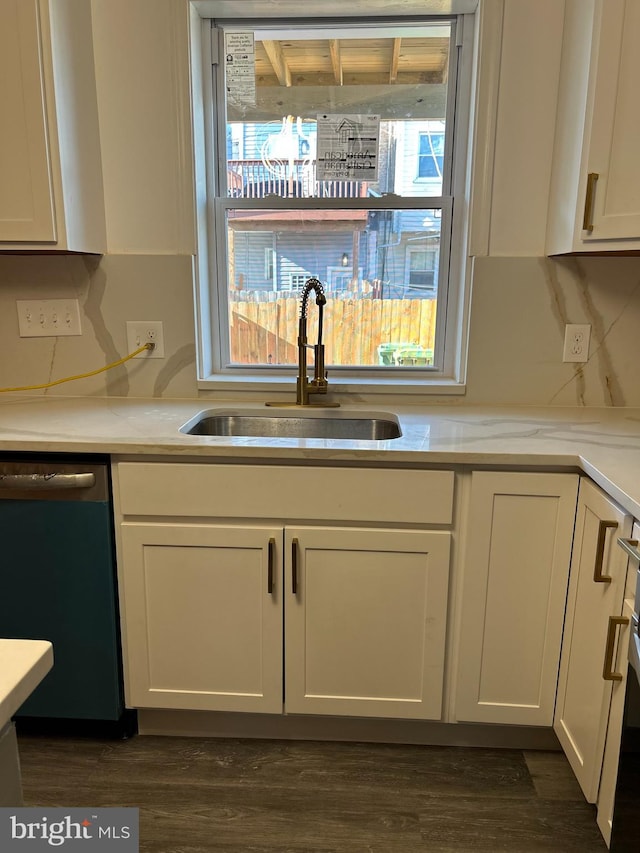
<point>330,154</point>
<point>268,264</point>
<point>421,270</point>
<point>431,154</point>
<point>296,281</point>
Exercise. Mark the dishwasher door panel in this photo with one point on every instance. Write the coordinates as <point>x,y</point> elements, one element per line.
<point>58,584</point>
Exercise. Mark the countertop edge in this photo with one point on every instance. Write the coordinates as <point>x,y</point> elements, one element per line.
<point>601,442</point>
<point>23,665</point>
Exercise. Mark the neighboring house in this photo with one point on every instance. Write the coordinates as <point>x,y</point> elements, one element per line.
<point>378,252</point>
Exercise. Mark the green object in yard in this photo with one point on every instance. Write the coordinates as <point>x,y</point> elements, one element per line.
<point>386,352</point>
<point>413,355</point>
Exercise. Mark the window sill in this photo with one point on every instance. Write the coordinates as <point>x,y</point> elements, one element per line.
<point>403,386</point>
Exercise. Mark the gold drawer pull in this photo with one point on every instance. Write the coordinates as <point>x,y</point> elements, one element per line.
<point>270,558</point>
<point>598,577</point>
<point>607,671</point>
<point>587,219</point>
<point>294,566</point>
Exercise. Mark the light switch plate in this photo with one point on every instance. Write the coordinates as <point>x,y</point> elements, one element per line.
<point>43,318</point>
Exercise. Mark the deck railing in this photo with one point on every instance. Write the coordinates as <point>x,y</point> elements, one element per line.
<point>290,179</point>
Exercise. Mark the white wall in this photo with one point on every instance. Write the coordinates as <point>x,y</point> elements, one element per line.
<point>520,300</point>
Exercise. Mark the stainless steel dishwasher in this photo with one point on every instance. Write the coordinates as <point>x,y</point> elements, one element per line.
<point>59,584</point>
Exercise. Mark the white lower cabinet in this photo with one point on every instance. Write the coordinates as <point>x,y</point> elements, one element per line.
<point>609,775</point>
<point>338,606</point>
<point>595,601</point>
<point>515,571</point>
<point>360,615</point>
<point>365,628</point>
<point>203,623</point>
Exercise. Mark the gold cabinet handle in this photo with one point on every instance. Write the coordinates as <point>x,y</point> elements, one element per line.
<point>587,218</point>
<point>598,577</point>
<point>294,566</point>
<point>270,561</point>
<point>607,671</point>
<point>630,546</point>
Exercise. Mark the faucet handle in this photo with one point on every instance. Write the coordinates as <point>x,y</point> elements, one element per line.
<point>319,372</point>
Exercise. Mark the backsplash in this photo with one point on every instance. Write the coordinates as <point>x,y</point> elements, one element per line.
<point>111,290</point>
<point>518,312</point>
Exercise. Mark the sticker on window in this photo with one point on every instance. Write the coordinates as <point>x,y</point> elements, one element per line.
<point>348,147</point>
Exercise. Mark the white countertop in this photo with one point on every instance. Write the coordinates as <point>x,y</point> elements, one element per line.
<point>23,665</point>
<point>602,442</point>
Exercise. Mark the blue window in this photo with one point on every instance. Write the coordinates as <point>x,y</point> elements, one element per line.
<point>430,155</point>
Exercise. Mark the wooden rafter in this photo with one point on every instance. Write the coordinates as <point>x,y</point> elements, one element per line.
<point>395,59</point>
<point>336,61</point>
<point>278,62</point>
<point>344,62</point>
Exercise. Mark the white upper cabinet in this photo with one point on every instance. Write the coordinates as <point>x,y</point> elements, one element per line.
<point>26,190</point>
<point>595,187</point>
<point>51,194</point>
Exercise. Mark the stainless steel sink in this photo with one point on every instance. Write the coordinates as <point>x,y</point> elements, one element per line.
<point>360,426</point>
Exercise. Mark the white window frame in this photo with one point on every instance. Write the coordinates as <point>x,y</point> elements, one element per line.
<point>335,275</point>
<point>296,281</point>
<point>420,178</point>
<point>454,261</point>
<point>408,268</point>
<point>269,265</point>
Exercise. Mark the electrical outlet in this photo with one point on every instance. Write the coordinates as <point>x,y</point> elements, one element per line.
<point>43,318</point>
<point>576,342</point>
<point>140,332</point>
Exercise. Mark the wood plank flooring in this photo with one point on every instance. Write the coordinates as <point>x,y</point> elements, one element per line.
<point>258,796</point>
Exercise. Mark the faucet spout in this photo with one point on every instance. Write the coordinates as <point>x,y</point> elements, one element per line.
<point>318,385</point>
<point>321,300</point>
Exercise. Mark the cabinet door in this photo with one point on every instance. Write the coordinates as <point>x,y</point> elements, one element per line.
<point>615,125</point>
<point>607,790</point>
<point>596,591</point>
<point>26,194</point>
<point>515,571</point>
<point>365,617</point>
<point>202,612</point>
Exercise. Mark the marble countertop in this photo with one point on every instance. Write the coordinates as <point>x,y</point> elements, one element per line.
<point>602,442</point>
<point>23,665</point>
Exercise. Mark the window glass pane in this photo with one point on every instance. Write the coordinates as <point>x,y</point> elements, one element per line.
<point>272,165</point>
<point>379,268</point>
<point>431,154</point>
<point>337,112</point>
<point>310,90</point>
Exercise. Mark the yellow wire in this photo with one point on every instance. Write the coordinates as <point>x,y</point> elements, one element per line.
<point>120,361</point>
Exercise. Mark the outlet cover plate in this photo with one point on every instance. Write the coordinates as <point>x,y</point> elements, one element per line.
<point>48,318</point>
<point>576,342</point>
<point>140,332</point>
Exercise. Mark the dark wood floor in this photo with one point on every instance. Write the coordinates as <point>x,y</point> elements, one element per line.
<point>256,796</point>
